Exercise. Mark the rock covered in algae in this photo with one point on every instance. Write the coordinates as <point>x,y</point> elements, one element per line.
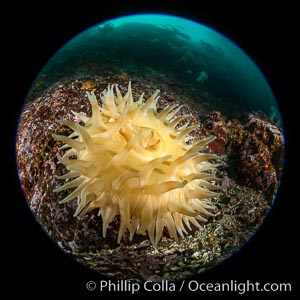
<point>259,148</point>
<point>239,211</point>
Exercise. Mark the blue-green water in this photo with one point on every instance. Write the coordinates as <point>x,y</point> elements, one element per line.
<point>191,52</point>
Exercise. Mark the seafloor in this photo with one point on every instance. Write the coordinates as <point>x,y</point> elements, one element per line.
<point>250,145</point>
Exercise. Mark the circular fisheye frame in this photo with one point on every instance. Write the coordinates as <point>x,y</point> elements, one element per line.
<point>150,147</point>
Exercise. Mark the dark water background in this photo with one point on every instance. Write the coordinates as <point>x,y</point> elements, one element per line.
<point>261,29</point>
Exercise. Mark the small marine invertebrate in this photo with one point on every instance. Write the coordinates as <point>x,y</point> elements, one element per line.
<point>134,161</point>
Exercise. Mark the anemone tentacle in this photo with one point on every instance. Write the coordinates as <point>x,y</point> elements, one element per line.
<point>134,162</point>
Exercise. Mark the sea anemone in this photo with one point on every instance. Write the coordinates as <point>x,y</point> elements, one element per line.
<point>133,161</point>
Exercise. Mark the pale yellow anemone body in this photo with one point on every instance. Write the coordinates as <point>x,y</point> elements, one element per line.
<point>135,162</point>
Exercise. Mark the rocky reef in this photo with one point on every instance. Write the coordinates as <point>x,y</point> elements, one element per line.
<point>251,147</point>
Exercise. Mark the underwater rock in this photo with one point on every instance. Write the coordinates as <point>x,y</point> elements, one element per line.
<point>239,212</point>
<point>215,124</point>
<point>258,146</point>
